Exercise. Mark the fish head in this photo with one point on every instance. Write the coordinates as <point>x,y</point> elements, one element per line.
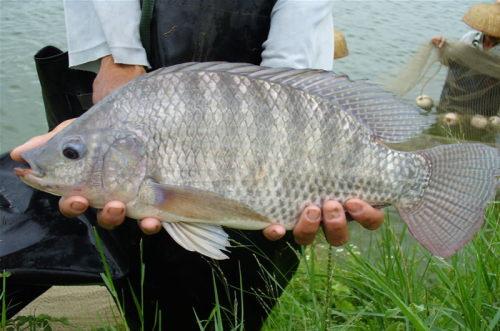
<point>100,165</point>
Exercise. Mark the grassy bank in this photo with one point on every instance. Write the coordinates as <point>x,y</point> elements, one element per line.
<point>395,285</point>
<point>392,284</point>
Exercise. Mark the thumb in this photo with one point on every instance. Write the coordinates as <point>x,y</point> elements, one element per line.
<point>36,141</point>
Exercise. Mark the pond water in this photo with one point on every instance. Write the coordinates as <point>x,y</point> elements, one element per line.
<point>381,36</point>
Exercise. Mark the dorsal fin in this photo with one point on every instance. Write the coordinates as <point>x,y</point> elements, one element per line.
<point>388,117</point>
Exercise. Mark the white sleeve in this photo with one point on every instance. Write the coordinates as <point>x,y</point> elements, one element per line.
<point>96,28</point>
<point>301,35</point>
<point>86,40</point>
<point>120,21</point>
<point>470,36</point>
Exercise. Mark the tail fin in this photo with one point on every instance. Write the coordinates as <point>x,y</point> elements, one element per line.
<point>461,183</point>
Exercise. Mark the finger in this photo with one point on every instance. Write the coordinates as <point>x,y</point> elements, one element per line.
<point>369,217</point>
<point>15,154</point>
<point>441,43</point>
<point>274,232</point>
<point>105,225</point>
<point>73,206</point>
<point>112,215</point>
<point>150,225</point>
<point>305,230</point>
<point>335,223</point>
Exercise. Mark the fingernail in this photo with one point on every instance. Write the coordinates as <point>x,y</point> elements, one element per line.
<point>313,215</point>
<point>333,214</point>
<point>354,207</point>
<point>77,206</point>
<point>115,212</point>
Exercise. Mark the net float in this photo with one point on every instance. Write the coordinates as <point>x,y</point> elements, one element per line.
<point>479,121</point>
<point>425,102</point>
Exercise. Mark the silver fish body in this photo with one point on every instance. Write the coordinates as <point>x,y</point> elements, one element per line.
<point>243,147</point>
<point>268,146</point>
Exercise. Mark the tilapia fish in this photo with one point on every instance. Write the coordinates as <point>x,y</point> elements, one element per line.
<point>205,145</point>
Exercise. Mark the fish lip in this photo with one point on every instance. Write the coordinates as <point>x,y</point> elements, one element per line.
<point>35,169</point>
<point>23,172</point>
<point>33,179</point>
<point>29,173</point>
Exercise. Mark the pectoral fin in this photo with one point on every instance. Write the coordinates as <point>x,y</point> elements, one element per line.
<point>195,216</point>
<point>209,240</point>
<point>198,206</point>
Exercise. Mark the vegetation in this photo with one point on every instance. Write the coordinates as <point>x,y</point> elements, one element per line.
<point>393,284</point>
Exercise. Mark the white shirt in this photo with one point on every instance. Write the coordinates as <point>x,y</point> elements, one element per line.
<point>300,36</point>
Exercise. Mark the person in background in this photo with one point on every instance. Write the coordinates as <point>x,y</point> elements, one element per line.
<point>469,95</point>
<point>485,20</point>
<point>103,36</point>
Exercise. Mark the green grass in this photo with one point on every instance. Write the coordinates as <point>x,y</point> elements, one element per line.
<point>39,322</point>
<point>380,281</point>
<point>395,285</point>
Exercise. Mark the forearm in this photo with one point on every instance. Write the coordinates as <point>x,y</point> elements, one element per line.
<point>301,35</point>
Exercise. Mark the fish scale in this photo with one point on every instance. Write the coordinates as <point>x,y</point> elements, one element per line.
<point>268,128</point>
<point>205,145</point>
<point>285,151</point>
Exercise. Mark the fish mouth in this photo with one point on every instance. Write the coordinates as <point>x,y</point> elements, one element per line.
<point>31,174</point>
<point>29,169</point>
<point>36,180</point>
<point>23,172</point>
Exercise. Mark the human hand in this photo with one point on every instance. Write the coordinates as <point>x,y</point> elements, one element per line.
<point>333,219</point>
<point>113,213</point>
<point>112,75</point>
<point>438,41</point>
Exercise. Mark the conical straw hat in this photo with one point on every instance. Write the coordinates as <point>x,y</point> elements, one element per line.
<point>485,18</point>
<point>85,307</point>
<point>340,50</point>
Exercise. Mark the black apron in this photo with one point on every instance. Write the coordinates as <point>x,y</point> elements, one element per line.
<point>210,30</point>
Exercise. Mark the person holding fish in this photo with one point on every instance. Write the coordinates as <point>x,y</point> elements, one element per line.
<point>278,50</point>
<point>102,40</point>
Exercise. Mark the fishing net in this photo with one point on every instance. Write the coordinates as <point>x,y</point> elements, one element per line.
<point>464,81</point>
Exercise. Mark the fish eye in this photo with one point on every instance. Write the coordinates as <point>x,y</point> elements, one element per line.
<point>73,150</point>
